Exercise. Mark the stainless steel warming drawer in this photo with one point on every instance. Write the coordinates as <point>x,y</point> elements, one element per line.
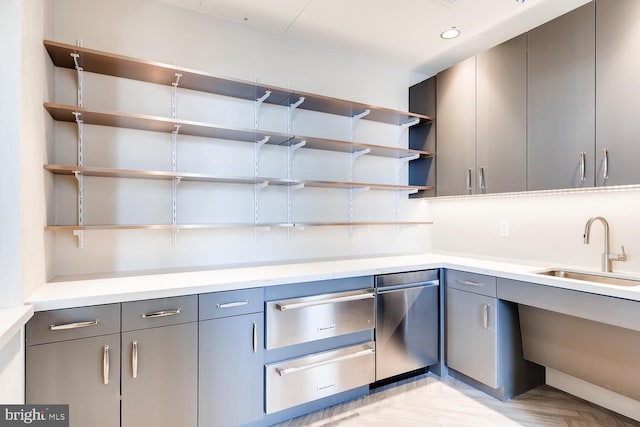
<point>299,320</point>
<point>296,381</point>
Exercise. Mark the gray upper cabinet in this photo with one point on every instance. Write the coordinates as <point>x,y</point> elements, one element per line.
<point>617,89</point>
<point>456,129</point>
<point>561,102</point>
<point>501,145</point>
<point>422,171</point>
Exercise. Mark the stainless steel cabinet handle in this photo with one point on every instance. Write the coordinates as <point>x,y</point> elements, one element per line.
<point>105,364</point>
<point>282,307</point>
<point>293,369</point>
<point>134,359</point>
<point>469,189</point>
<point>232,304</point>
<point>75,325</point>
<point>468,283</point>
<point>583,167</point>
<point>481,179</point>
<point>163,313</point>
<point>605,167</point>
<point>255,337</point>
<point>485,316</point>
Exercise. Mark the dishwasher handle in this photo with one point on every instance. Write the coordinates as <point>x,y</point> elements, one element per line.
<point>407,286</point>
<point>328,300</point>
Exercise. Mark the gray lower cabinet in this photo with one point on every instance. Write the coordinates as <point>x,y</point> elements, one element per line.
<point>561,102</point>
<point>231,358</point>
<point>73,357</point>
<point>617,88</point>
<point>160,362</point>
<point>483,343</point>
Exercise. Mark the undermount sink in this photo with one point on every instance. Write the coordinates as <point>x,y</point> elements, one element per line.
<point>591,277</point>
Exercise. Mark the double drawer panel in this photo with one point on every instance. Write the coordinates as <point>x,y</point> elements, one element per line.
<point>297,381</point>
<point>159,312</point>
<point>300,320</point>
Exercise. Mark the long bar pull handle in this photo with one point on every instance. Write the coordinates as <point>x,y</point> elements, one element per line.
<point>485,316</point>
<point>469,283</point>
<point>105,364</point>
<point>605,167</point>
<point>255,337</point>
<point>282,307</point>
<point>469,189</point>
<point>163,313</point>
<point>134,359</point>
<point>75,325</point>
<point>482,181</point>
<point>232,304</point>
<point>283,372</point>
<point>583,166</point>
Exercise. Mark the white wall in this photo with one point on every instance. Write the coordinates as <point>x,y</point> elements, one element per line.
<point>154,31</point>
<point>543,228</point>
<point>10,28</point>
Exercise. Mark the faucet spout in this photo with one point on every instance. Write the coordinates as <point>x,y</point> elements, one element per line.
<point>607,256</point>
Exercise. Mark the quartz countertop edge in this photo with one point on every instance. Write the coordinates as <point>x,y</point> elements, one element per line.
<point>12,319</point>
<point>79,293</point>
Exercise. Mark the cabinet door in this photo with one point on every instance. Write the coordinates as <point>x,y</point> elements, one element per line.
<point>471,335</point>
<point>75,372</point>
<point>160,376</point>
<point>561,101</point>
<point>456,129</point>
<point>617,88</point>
<point>231,370</point>
<point>502,118</point>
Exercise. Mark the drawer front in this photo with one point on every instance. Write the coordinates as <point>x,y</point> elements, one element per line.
<point>159,312</point>
<point>472,282</point>
<point>297,381</point>
<point>231,303</point>
<point>73,323</point>
<point>300,320</point>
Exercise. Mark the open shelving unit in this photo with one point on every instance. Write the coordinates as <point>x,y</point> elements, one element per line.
<point>87,60</point>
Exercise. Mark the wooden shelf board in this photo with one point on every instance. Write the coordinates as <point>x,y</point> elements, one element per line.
<point>160,124</point>
<point>155,72</point>
<point>228,225</point>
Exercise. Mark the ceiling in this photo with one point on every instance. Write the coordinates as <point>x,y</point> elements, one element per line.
<point>403,32</point>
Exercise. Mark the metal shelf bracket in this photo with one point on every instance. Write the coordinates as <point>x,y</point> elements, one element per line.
<point>80,235</point>
<point>407,159</point>
<point>354,122</point>
<point>80,71</point>
<point>292,108</point>
<point>174,207</point>
<point>408,124</point>
<point>174,96</point>
<point>256,110</point>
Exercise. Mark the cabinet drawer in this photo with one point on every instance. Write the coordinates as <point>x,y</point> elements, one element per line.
<point>297,381</point>
<point>159,312</point>
<point>299,320</point>
<point>472,282</point>
<point>73,323</point>
<point>231,303</point>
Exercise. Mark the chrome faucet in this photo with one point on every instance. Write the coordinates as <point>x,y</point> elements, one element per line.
<point>607,257</point>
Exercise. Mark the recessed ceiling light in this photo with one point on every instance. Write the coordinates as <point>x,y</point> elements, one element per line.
<point>451,33</point>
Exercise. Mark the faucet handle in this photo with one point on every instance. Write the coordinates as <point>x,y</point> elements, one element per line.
<point>618,257</point>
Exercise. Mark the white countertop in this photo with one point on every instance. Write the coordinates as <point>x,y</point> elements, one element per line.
<point>119,289</point>
<point>12,320</point>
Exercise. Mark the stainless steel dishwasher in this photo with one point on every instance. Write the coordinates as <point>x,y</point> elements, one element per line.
<point>407,322</point>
